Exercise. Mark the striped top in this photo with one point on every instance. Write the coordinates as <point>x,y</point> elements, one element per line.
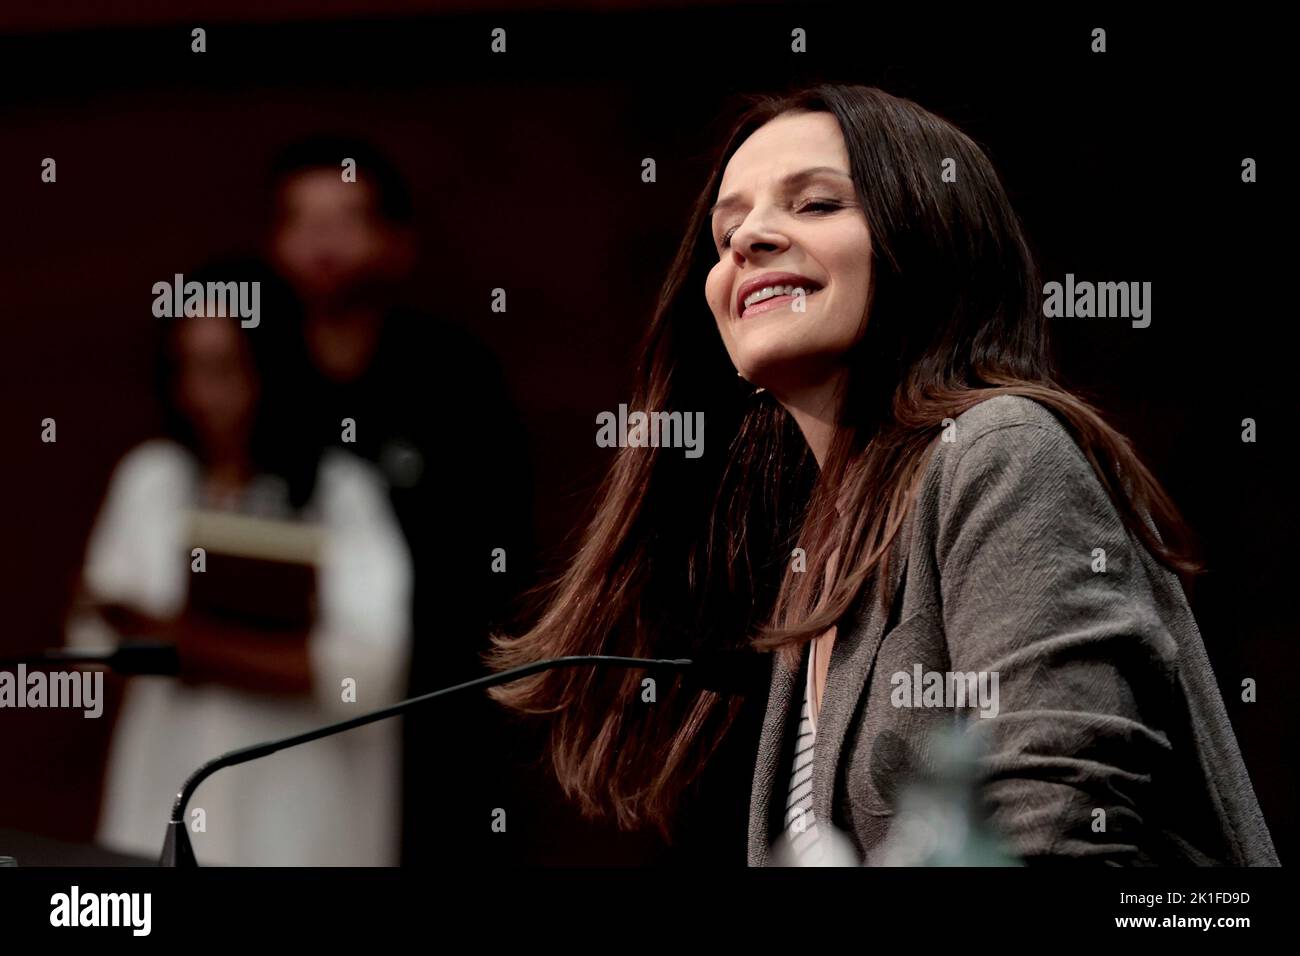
<point>800,825</point>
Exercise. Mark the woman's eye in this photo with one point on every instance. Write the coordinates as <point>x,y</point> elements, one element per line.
<point>820,205</point>
<point>811,205</point>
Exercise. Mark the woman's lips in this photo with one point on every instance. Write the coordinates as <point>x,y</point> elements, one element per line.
<point>776,302</point>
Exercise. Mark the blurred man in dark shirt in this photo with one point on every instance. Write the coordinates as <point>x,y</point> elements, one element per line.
<point>427,403</point>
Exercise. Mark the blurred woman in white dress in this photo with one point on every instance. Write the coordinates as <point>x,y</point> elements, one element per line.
<point>242,447</point>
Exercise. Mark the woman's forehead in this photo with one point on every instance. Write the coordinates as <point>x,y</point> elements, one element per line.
<point>784,147</point>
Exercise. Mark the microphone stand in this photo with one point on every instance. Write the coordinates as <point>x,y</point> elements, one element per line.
<point>179,852</point>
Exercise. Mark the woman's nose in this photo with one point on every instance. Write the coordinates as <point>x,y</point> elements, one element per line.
<point>758,236</point>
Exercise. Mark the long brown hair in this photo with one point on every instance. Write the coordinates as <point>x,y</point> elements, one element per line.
<point>687,554</point>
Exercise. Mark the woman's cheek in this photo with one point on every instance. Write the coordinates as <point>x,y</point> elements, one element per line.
<point>715,293</point>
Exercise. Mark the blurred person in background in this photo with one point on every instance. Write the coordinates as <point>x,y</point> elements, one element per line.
<point>307,584</point>
<point>431,408</point>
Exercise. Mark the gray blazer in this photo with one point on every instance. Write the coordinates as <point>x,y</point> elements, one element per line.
<point>1106,697</point>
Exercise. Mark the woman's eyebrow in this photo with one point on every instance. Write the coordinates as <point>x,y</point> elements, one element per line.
<point>794,178</point>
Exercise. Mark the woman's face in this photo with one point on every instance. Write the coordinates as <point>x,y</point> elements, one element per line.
<point>216,387</point>
<point>787,215</point>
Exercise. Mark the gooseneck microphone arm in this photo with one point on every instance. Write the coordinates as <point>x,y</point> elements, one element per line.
<point>177,850</point>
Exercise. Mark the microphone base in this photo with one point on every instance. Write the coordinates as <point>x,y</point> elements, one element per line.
<point>177,850</point>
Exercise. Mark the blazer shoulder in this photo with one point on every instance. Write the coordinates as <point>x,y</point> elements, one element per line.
<point>1018,422</point>
<point>1004,411</point>
<point>1007,441</point>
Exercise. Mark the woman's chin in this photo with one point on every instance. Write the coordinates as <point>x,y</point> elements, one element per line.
<point>783,372</point>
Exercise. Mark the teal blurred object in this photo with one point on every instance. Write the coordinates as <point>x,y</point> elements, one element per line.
<point>938,820</point>
<point>837,850</point>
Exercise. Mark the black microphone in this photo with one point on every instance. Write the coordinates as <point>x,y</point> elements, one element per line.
<point>726,672</point>
<point>131,659</point>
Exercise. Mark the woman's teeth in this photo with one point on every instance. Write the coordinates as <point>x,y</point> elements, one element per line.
<point>775,290</point>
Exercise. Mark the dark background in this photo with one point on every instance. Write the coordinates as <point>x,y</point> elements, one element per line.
<point>526,171</point>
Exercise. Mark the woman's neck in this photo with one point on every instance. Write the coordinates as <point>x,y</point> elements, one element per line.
<point>227,474</point>
<point>815,410</point>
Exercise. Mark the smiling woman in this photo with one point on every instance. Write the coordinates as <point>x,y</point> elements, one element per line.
<point>788,191</point>
<point>910,438</point>
<point>788,195</point>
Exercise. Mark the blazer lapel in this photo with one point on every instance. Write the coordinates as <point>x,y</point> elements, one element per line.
<point>852,657</point>
<point>848,673</point>
<point>767,769</point>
